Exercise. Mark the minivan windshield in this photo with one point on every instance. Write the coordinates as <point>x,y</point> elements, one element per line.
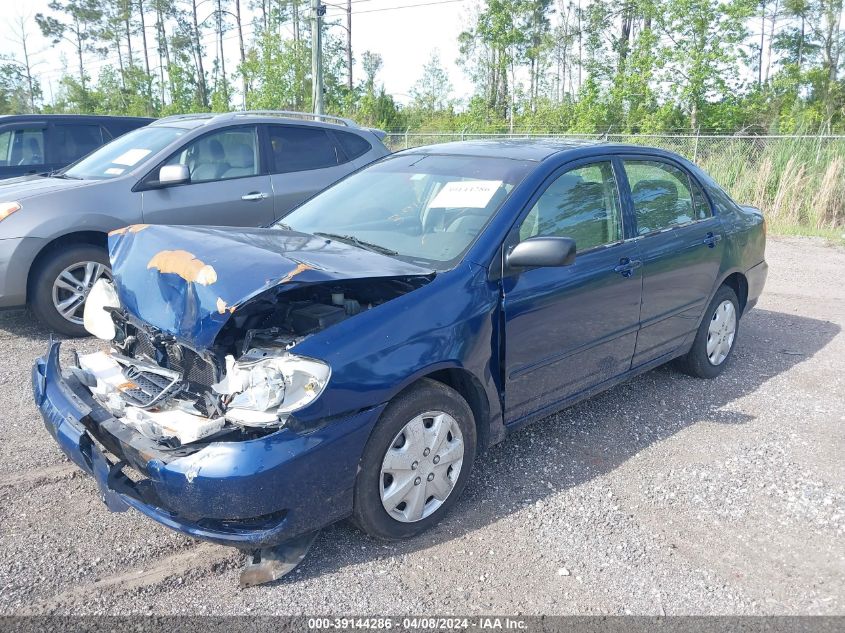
<point>123,154</point>
<point>422,208</point>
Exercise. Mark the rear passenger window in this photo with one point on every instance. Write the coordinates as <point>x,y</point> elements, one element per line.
<point>663,196</point>
<point>582,204</point>
<point>353,145</point>
<point>301,148</point>
<point>72,142</point>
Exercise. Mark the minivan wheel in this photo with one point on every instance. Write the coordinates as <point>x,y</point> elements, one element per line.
<point>62,283</point>
<point>716,337</point>
<point>416,462</point>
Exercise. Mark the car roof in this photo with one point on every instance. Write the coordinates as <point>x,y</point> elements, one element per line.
<point>534,149</point>
<point>210,119</point>
<point>11,118</point>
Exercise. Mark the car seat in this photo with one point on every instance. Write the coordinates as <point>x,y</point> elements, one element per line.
<point>242,161</point>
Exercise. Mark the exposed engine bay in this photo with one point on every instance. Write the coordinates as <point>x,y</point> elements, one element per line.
<point>247,384</point>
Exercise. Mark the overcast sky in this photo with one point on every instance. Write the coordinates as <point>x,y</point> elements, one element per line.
<point>405,35</point>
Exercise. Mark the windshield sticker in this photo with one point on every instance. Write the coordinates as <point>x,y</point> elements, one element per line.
<point>131,157</point>
<point>475,194</point>
<point>114,171</point>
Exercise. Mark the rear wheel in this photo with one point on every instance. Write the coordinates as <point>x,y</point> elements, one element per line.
<point>62,283</point>
<point>716,336</point>
<point>416,462</point>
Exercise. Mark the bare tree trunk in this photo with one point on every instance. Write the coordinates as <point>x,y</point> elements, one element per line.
<point>148,79</point>
<point>163,48</point>
<point>580,48</point>
<point>203,89</point>
<point>774,18</point>
<point>241,46</point>
<point>128,28</point>
<point>221,52</point>
<point>79,51</point>
<point>21,36</point>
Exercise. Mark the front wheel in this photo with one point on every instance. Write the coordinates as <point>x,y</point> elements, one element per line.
<point>716,336</point>
<point>61,285</point>
<point>416,462</point>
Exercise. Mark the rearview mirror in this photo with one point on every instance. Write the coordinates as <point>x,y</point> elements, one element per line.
<point>538,252</point>
<point>173,175</point>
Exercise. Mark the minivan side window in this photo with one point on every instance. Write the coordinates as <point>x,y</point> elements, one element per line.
<point>22,146</point>
<point>301,149</point>
<point>582,204</point>
<point>223,155</point>
<point>72,142</point>
<point>663,196</point>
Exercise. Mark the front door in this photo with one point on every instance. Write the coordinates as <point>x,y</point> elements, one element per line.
<point>228,186</point>
<point>573,327</point>
<point>682,246</point>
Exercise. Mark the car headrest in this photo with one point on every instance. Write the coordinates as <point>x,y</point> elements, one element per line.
<point>241,156</point>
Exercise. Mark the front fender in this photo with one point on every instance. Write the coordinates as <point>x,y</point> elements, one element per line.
<point>449,324</point>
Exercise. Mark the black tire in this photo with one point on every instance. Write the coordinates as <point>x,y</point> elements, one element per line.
<point>41,288</point>
<point>696,362</point>
<point>369,513</point>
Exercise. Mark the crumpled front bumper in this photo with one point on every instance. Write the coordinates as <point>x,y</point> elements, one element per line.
<point>247,494</point>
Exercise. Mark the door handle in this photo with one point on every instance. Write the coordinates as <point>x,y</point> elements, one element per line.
<point>627,266</point>
<point>255,195</point>
<point>711,239</point>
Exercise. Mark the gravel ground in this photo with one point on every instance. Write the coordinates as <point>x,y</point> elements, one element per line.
<point>666,495</point>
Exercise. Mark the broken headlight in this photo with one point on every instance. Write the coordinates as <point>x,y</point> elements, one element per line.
<point>264,386</point>
<point>96,317</point>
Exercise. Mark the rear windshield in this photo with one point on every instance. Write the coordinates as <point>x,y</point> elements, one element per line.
<point>124,153</point>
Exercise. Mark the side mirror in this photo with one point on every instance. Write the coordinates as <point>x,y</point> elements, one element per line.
<point>539,252</point>
<point>173,175</point>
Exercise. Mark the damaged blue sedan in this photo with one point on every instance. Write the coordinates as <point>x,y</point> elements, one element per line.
<point>354,359</point>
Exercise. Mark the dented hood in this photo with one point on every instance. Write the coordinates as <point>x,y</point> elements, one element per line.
<point>188,281</point>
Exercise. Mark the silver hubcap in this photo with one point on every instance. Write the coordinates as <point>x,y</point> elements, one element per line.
<point>421,466</point>
<point>720,334</point>
<point>71,288</point>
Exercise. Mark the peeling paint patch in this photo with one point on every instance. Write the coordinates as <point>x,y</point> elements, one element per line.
<point>184,264</point>
<point>223,307</point>
<point>300,268</point>
<point>132,228</point>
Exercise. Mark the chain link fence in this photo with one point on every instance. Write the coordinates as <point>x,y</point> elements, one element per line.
<point>799,181</point>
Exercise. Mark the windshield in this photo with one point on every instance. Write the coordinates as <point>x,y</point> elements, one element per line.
<point>122,154</point>
<point>427,209</point>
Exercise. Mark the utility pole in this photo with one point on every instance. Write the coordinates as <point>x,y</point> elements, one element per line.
<point>349,42</point>
<point>318,10</point>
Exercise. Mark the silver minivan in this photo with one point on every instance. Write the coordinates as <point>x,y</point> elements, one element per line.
<point>234,169</point>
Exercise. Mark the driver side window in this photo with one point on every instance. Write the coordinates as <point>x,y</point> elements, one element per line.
<point>582,204</point>
<point>231,153</point>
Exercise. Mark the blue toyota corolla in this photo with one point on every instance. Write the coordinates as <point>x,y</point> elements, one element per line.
<point>354,359</point>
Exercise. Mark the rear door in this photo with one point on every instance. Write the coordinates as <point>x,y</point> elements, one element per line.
<point>682,245</point>
<point>305,160</point>
<point>229,184</point>
<point>572,327</point>
<point>23,149</point>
